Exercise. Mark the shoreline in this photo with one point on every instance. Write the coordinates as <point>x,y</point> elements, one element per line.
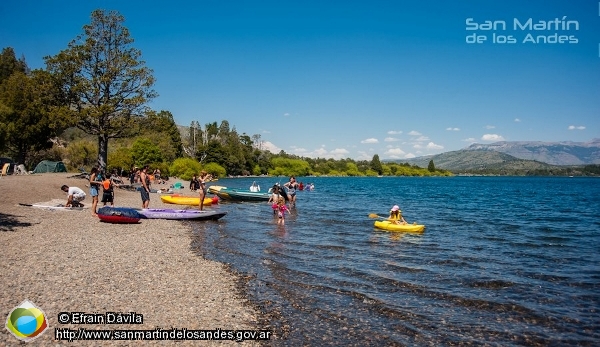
<point>69,261</point>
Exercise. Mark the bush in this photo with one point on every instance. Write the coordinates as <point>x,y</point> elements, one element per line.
<point>185,168</point>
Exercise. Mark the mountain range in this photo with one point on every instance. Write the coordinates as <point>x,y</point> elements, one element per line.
<point>515,155</point>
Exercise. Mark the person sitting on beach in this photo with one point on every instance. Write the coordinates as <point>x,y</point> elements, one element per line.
<point>396,215</point>
<point>254,187</point>
<point>74,196</point>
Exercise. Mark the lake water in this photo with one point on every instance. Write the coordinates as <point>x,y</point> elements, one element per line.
<point>503,261</point>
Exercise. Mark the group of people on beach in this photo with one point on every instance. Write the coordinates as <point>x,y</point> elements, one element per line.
<point>98,181</point>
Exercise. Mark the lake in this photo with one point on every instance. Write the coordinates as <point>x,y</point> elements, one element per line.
<point>503,261</point>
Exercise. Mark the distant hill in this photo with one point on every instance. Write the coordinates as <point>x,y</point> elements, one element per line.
<point>472,160</point>
<point>555,153</point>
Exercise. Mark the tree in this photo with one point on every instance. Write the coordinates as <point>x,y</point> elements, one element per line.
<point>161,129</point>
<point>144,152</point>
<point>105,84</point>
<point>376,165</point>
<point>9,64</point>
<point>25,123</point>
<point>431,166</point>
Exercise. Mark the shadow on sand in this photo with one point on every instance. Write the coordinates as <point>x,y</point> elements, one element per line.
<point>8,222</point>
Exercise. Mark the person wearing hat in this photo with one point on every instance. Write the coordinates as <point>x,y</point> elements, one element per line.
<point>396,215</point>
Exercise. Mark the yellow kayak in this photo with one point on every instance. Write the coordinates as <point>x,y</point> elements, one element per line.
<point>187,200</point>
<point>389,226</point>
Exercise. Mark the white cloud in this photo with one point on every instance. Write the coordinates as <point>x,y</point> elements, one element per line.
<point>492,137</point>
<point>395,152</point>
<point>371,140</point>
<point>286,114</point>
<point>470,139</point>
<point>453,129</point>
<point>573,127</point>
<point>517,120</point>
<point>320,152</point>
<point>433,146</point>
<point>390,139</point>
<point>490,127</point>
<point>414,133</point>
<point>299,150</point>
<point>409,156</point>
<point>271,147</point>
<point>394,132</point>
<point>339,151</point>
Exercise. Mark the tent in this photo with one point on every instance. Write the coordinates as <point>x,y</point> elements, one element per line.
<point>50,166</point>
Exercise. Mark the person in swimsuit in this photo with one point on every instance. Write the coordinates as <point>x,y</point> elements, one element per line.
<point>291,187</point>
<point>94,189</point>
<point>281,210</point>
<point>204,177</point>
<point>145,192</point>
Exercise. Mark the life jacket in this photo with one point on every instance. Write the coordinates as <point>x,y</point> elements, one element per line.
<point>106,184</point>
<point>394,216</point>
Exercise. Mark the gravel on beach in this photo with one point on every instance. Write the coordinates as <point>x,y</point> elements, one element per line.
<point>69,261</point>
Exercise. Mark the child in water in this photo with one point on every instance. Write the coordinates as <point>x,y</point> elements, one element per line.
<point>281,210</point>
<point>396,216</point>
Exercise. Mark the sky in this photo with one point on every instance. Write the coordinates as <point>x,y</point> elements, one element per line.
<point>351,79</point>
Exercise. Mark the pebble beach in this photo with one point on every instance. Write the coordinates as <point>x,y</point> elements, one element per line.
<point>69,261</point>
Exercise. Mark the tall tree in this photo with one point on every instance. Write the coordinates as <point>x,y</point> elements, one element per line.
<point>9,64</point>
<point>106,83</point>
<point>26,124</point>
<point>376,165</point>
<point>161,129</point>
<point>431,166</point>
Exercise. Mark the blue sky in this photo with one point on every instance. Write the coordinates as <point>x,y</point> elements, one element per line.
<point>350,79</point>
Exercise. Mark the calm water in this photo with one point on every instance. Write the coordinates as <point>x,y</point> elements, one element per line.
<point>503,261</point>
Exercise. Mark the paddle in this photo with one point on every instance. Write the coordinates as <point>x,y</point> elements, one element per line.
<point>51,207</point>
<point>373,215</point>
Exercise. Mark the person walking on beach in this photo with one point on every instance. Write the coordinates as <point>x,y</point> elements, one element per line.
<point>291,186</point>
<point>145,192</point>
<point>204,177</point>
<point>74,196</point>
<point>94,189</point>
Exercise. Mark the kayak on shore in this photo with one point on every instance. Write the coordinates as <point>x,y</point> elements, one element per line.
<point>187,200</point>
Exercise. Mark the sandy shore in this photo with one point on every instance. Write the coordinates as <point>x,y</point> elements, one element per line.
<point>69,261</point>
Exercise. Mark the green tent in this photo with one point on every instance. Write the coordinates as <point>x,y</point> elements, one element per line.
<point>50,166</point>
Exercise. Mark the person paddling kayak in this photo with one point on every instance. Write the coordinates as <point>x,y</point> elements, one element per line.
<point>396,215</point>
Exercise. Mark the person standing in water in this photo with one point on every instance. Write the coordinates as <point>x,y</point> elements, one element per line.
<point>291,187</point>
